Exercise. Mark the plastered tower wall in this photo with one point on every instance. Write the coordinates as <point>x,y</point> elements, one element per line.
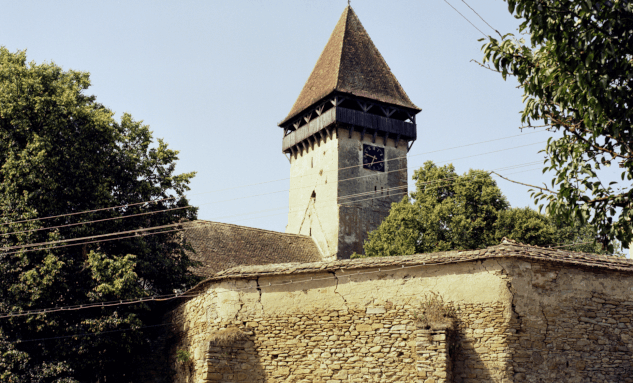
<point>374,191</point>
<point>335,200</point>
<point>313,192</point>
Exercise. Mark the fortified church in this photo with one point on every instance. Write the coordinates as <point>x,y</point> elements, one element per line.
<point>292,307</point>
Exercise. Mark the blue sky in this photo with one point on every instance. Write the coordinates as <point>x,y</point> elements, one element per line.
<point>213,78</point>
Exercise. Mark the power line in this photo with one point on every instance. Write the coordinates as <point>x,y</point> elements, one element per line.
<point>482,19</point>
<point>91,237</point>
<point>280,191</point>
<point>465,18</point>
<point>188,294</point>
<point>90,242</point>
<point>99,220</point>
<point>249,185</point>
<point>141,230</point>
<point>88,211</point>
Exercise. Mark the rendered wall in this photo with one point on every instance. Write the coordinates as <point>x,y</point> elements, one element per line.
<point>343,327</point>
<point>315,171</point>
<point>331,170</point>
<point>378,190</point>
<point>517,321</point>
<point>573,324</point>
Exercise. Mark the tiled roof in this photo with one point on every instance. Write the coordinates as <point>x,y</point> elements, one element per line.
<point>507,249</point>
<point>350,63</point>
<point>220,246</point>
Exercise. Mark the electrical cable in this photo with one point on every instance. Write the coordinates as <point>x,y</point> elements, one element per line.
<point>249,185</point>
<point>88,211</point>
<point>86,243</point>
<point>261,211</point>
<point>189,294</point>
<point>482,19</point>
<point>465,18</point>
<point>275,192</point>
<point>99,220</point>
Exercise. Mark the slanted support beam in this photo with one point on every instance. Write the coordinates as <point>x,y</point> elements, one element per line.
<point>329,132</point>
<point>337,100</point>
<point>351,130</point>
<point>373,139</point>
<point>384,142</point>
<point>388,111</point>
<point>410,145</point>
<point>319,109</point>
<point>397,140</point>
<point>362,133</point>
<point>365,106</point>
<point>303,145</point>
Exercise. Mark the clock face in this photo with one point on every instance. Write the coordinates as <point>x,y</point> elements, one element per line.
<point>373,158</point>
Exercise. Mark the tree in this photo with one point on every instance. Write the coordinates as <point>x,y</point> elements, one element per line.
<point>61,152</point>
<point>576,77</point>
<point>462,212</point>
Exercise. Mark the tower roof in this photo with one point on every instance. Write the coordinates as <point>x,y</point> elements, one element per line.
<point>350,63</point>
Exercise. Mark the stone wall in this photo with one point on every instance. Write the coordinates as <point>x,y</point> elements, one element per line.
<point>515,320</point>
<point>573,324</point>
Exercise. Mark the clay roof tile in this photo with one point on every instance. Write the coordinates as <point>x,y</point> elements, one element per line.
<point>350,63</point>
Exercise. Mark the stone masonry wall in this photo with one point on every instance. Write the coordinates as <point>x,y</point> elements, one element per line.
<point>379,344</point>
<point>574,325</point>
<point>342,327</point>
<point>515,321</point>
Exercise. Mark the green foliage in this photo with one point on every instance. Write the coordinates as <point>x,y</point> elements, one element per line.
<point>447,211</point>
<point>183,356</point>
<point>462,212</point>
<point>576,76</point>
<point>63,152</point>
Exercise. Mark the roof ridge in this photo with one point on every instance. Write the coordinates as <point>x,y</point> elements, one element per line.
<point>203,222</point>
<point>340,56</point>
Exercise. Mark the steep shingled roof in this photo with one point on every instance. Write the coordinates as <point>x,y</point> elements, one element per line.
<point>350,63</point>
<point>220,246</point>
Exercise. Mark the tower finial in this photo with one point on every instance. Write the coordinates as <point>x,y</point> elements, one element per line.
<point>348,3</point>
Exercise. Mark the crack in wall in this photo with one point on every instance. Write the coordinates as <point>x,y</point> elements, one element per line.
<point>336,288</point>
<point>259,290</point>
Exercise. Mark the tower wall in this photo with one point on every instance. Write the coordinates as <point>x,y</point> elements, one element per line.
<point>335,200</point>
<point>314,173</point>
<point>373,191</point>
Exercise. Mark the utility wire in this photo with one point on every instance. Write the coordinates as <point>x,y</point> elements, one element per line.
<point>257,195</point>
<point>482,19</point>
<point>86,243</point>
<point>250,185</point>
<point>100,220</point>
<point>89,211</point>
<point>465,18</point>
<point>143,230</point>
<point>259,286</point>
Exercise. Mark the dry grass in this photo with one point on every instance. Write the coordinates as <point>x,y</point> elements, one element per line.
<point>435,313</point>
<point>227,336</point>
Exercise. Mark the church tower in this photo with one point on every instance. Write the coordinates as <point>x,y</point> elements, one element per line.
<point>347,136</point>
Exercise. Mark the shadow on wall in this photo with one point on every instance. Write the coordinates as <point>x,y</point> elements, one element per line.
<point>228,356</point>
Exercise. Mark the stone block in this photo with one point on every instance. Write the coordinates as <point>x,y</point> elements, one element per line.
<point>376,310</point>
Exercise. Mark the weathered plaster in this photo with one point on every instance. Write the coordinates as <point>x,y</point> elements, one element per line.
<point>324,176</point>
